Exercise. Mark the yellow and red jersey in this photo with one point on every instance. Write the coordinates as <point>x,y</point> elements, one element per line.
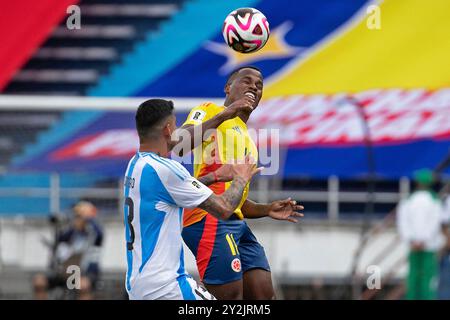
<point>229,142</point>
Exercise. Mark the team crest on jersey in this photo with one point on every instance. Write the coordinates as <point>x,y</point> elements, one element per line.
<point>236,265</point>
<point>198,115</point>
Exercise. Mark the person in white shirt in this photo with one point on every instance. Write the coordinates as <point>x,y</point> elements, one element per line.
<point>419,222</point>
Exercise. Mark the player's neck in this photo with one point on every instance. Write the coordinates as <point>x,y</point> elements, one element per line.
<point>156,147</point>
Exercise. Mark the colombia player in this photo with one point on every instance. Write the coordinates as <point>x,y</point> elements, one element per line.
<point>231,262</point>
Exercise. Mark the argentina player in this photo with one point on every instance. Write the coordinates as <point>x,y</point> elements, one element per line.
<point>156,189</point>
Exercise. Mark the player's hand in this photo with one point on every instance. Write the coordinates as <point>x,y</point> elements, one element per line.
<point>285,210</point>
<point>225,172</point>
<point>247,169</point>
<point>245,105</point>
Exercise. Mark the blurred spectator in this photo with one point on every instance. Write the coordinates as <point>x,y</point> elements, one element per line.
<point>79,244</point>
<point>419,222</point>
<point>444,278</point>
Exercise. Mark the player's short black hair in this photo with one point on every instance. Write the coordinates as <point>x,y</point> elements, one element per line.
<point>235,72</point>
<point>150,113</point>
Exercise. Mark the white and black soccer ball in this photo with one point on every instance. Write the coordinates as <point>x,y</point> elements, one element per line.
<point>246,30</point>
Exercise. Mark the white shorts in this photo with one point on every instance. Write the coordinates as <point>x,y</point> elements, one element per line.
<point>184,288</point>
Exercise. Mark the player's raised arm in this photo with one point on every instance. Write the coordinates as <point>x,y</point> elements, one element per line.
<point>189,139</point>
<point>223,206</point>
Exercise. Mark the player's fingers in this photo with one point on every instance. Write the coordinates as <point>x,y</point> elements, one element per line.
<point>298,207</point>
<point>292,220</point>
<point>247,107</point>
<point>257,170</point>
<point>297,214</point>
<point>248,103</point>
<point>251,102</point>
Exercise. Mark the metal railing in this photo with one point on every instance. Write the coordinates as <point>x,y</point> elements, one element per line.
<point>261,191</point>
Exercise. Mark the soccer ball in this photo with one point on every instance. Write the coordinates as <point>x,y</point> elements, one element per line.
<point>246,30</point>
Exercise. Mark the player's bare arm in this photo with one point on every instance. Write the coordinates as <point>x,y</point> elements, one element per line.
<point>279,210</point>
<point>223,174</point>
<point>245,104</point>
<point>223,206</point>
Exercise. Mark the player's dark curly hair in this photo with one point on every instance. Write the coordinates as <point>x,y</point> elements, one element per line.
<point>150,113</point>
<point>235,72</point>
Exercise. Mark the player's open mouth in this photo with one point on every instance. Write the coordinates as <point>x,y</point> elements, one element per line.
<point>250,95</point>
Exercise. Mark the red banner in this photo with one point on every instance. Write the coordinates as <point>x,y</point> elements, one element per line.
<point>394,116</point>
<point>24,26</point>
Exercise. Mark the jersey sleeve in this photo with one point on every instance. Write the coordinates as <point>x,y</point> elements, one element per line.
<point>198,115</point>
<point>185,190</point>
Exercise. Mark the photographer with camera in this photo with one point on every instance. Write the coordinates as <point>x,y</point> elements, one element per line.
<point>79,244</point>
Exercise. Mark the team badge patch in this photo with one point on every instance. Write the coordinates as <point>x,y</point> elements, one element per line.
<point>198,115</point>
<point>236,265</point>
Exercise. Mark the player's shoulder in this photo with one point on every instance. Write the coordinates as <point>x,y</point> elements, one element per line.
<point>208,107</point>
<point>165,167</point>
<point>203,112</point>
<point>178,166</point>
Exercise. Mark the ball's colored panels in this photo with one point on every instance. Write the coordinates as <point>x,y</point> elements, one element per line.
<point>246,30</point>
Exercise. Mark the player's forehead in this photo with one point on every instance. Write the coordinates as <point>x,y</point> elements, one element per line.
<point>249,73</point>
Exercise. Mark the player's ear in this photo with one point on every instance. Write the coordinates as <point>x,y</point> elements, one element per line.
<point>169,126</point>
<point>226,89</point>
<point>167,130</point>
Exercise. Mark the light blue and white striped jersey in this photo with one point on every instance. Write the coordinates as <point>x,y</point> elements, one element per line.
<point>156,189</point>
